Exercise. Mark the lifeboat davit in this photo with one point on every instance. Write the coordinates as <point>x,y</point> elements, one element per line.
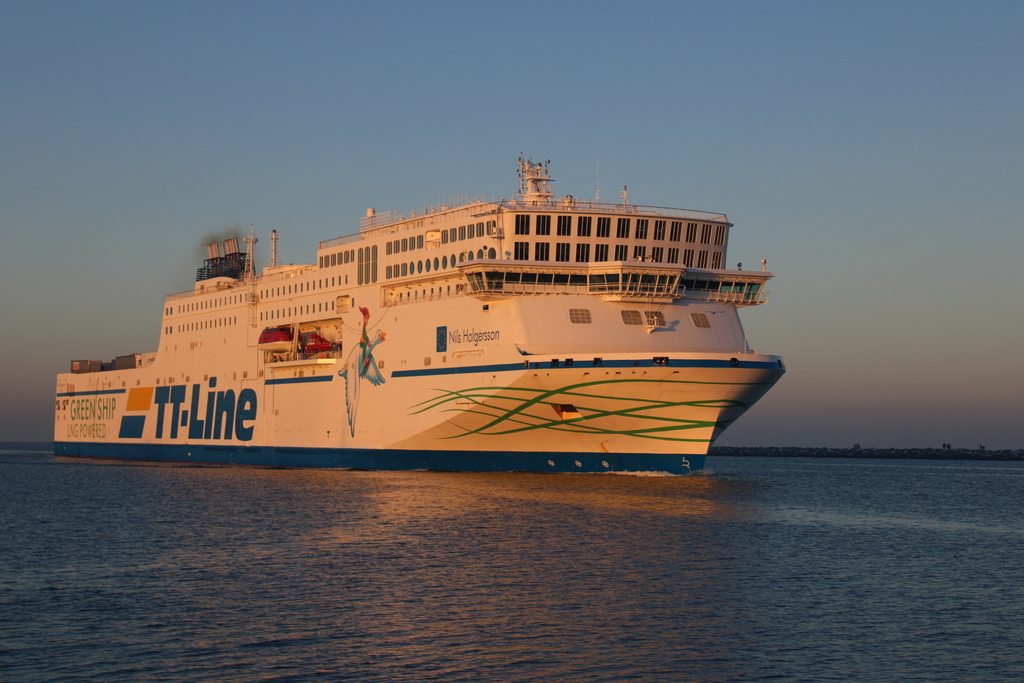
<point>276,339</point>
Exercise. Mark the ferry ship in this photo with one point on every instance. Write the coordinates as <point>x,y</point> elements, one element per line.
<point>531,333</point>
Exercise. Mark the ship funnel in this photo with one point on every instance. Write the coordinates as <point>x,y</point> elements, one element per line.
<point>231,246</point>
<point>213,250</point>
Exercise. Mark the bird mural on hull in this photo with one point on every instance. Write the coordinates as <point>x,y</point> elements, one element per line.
<point>361,360</point>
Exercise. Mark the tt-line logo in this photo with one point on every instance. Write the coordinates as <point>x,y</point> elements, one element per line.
<point>199,414</point>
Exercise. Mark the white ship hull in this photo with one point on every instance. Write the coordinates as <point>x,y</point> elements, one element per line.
<point>475,365</point>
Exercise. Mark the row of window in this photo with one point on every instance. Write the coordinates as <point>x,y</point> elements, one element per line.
<point>338,258</point>
<point>438,263</point>
<point>203,305</point>
<point>308,309</point>
<point>640,230</point>
<point>201,325</point>
<point>542,252</point>
<point>581,316</point>
<point>467,232</point>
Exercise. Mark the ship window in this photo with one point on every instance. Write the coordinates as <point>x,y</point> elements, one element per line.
<point>405,244</point>
<point>521,251</point>
<point>543,225</point>
<point>437,262</point>
<point>657,254</point>
<point>700,320</point>
<point>702,259</point>
<point>582,253</point>
<point>564,225</point>
<point>705,234</point>
<point>541,251</point>
<point>480,230</point>
<point>632,318</point>
<point>621,252</point>
<point>583,226</point>
<point>444,261</point>
<point>691,232</point>
<point>444,237</point>
<point>580,316</point>
<point>673,255</point>
<point>600,252</point>
<point>562,251</point>
<point>656,318</point>
<point>716,259</point>
<point>426,265</point>
<point>419,241</point>
<point>639,252</point>
<point>491,253</point>
<point>688,258</point>
<point>334,259</point>
<point>659,230</point>
<point>641,228</point>
<point>677,231</point>
<point>622,229</point>
<point>604,227</point>
<point>522,224</point>
<point>720,235</point>
<point>462,232</point>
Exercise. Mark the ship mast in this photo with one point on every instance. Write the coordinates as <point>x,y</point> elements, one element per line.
<point>250,275</point>
<point>533,181</point>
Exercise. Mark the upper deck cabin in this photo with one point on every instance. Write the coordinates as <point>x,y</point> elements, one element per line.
<point>548,241</point>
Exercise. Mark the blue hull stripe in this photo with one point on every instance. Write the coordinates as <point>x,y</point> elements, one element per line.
<point>300,380</point>
<point>382,459</point>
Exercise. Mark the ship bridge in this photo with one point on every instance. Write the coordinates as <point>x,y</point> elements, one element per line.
<point>617,281</point>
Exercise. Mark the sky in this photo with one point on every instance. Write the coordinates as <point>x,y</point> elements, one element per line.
<point>871,152</point>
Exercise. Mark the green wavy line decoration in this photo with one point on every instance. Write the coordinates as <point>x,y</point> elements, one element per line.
<point>515,419</point>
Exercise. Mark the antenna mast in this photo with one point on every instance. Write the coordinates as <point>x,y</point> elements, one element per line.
<point>250,240</point>
<point>273,248</point>
<point>533,181</point>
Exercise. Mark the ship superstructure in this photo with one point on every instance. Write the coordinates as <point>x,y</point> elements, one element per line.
<point>531,333</point>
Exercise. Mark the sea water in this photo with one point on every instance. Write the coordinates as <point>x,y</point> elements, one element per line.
<point>761,569</point>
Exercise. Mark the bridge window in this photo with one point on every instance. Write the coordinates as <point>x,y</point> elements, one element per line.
<point>622,229</point>
<point>543,225</point>
<point>632,317</point>
<point>583,226</point>
<point>580,316</point>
